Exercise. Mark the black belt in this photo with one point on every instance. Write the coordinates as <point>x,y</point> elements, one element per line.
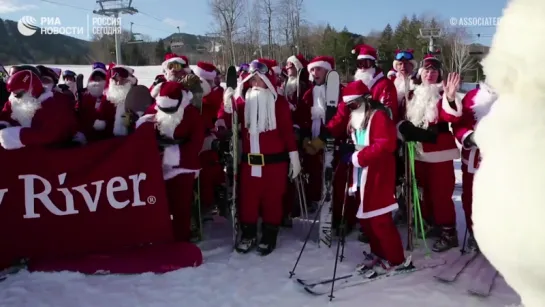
<point>440,128</point>
<point>263,159</point>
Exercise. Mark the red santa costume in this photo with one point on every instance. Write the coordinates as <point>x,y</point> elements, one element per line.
<point>111,112</point>
<point>172,74</point>
<point>476,105</point>
<point>176,119</point>
<point>373,178</point>
<point>382,89</point>
<point>90,102</point>
<point>402,83</point>
<point>268,147</point>
<point>211,175</point>
<point>311,120</point>
<point>33,117</point>
<point>429,109</point>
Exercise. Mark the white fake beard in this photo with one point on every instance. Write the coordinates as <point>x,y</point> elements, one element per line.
<point>24,108</point>
<point>291,86</point>
<point>357,117</point>
<point>422,109</point>
<point>259,111</point>
<point>402,85</point>
<point>116,94</point>
<point>365,75</point>
<point>319,104</point>
<point>96,88</point>
<point>171,76</point>
<point>168,122</point>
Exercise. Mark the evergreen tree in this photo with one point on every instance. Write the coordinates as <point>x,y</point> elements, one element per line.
<point>160,51</point>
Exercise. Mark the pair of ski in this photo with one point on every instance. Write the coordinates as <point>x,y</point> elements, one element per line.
<point>483,275</point>
<point>322,286</point>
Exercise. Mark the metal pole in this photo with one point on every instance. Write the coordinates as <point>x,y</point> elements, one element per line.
<point>117,44</point>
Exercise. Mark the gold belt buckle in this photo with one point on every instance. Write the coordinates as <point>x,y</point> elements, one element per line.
<point>256,160</point>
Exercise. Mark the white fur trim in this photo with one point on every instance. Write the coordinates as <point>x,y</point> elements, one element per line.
<point>130,70</point>
<point>10,138</point>
<point>206,88</point>
<point>295,61</point>
<point>277,70</point>
<point>368,215</point>
<point>220,123</point>
<point>349,98</point>
<point>175,60</point>
<point>365,57</point>
<point>46,95</point>
<point>4,123</point>
<point>132,79</point>
<point>355,160</point>
<point>207,144</point>
<point>165,102</point>
<point>464,137</point>
<point>446,105</point>
<point>265,79</point>
<point>99,125</point>
<point>155,90</point>
<point>100,70</point>
<point>228,100</point>
<point>296,127</point>
<point>171,155</point>
<point>144,119</point>
<point>399,135</point>
<point>203,74</point>
<point>324,64</point>
<point>391,73</point>
<point>439,156</point>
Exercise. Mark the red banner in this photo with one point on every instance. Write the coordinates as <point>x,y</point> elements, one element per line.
<point>98,198</point>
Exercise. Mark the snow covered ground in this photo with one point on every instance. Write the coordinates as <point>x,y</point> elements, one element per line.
<point>228,279</point>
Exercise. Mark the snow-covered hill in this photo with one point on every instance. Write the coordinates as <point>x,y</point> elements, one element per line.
<point>228,279</point>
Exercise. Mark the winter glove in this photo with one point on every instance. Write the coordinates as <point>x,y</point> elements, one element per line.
<point>308,148</point>
<point>469,141</point>
<point>192,83</point>
<point>347,150</point>
<point>295,164</point>
<point>411,133</point>
<point>10,138</point>
<point>317,144</point>
<point>79,138</point>
<point>159,79</point>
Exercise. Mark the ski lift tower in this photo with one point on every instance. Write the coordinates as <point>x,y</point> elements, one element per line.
<point>432,34</point>
<point>114,8</point>
<point>133,37</point>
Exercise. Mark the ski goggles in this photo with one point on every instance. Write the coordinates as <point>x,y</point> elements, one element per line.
<point>176,66</point>
<point>68,74</point>
<point>257,66</point>
<point>120,72</point>
<point>404,55</point>
<point>432,63</point>
<point>244,67</point>
<point>99,65</point>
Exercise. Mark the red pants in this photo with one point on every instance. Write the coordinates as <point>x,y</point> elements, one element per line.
<point>210,177</point>
<point>313,166</point>
<point>262,194</point>
<point>467,195</point>
<point>290,199</point>
<point>384,239</point>
<point>351,205</point>
<point>437,183</point>
<point>180,200</point>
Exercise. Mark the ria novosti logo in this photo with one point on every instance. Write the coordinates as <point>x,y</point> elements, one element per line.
<point>102,25</point>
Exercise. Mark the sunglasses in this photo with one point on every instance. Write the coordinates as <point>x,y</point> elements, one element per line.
<point>404,55</point>
<point>257,66</point>
<point>120,72</point>
<point>176,66</point>
<point>19,93</point>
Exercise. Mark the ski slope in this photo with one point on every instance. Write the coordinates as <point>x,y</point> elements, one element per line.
<point>228,279</point>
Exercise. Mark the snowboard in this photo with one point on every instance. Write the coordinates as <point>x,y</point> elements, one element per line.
<point>79,86</point>
<point>138,99</point>
<point>451,271</point>
<point>231,82</point>
<point>482,277</point>
<point>333,83</point>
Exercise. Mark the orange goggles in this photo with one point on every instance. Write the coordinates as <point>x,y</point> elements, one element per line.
<point>176,66</point>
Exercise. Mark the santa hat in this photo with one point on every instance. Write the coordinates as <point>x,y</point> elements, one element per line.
<point>269,78</point>
<point>353,91</point>
<point>298,61</point>
<point>407,54</point>
<point>392,72</point>
<point>275,67</point>
<point>169,94</point>
<point>204,70</point>
<point>48,72</point>
<point>130,70</point>
<point>365,52</point>
<point>430,60</point>
<point>98,67</point>
<point>174,58</point>
<point>325,62</point>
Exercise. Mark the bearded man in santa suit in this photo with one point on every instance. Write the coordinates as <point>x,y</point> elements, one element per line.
<point>177,121</point>
<point>90,102</point>
<point>268,148</point>
<point>174,68</point>
<point>111,113</point>
<point>211,176</point>
<point>431,107</point>
<point>33,116</point>
<point>382,89</point>
<point>476,105</point>
<point>373,169</point>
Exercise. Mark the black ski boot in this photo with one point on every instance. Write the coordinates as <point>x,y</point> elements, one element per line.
<point>248,238</point>
<point>472,245</point>
<point>362,237</point>
<point>267,244</point>
<point>447,240</point>
<point>287,222</point>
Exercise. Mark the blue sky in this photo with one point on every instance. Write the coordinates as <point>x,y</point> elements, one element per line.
<point>159,18</point>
